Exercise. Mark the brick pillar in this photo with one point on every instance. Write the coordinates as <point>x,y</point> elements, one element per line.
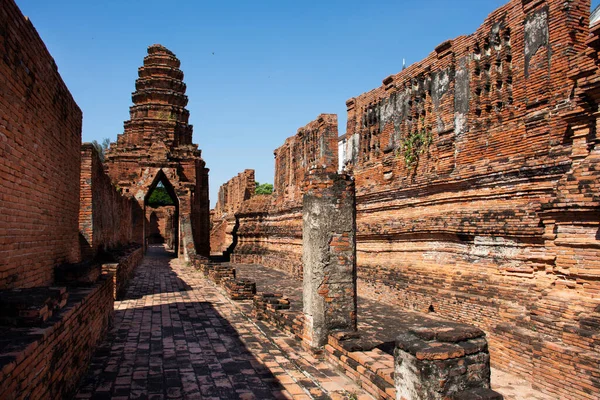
<point>329,255</point>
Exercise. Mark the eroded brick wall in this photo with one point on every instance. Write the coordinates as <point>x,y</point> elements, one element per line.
<point>457,161</point>
<point>476,181</point>
<point>231,196</point>
<point>40,138</point>
<point>105,215</point>
<point>233,193</point>
<point>270,227</point>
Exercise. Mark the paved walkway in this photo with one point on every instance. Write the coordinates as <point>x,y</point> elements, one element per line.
<point>176,336</point>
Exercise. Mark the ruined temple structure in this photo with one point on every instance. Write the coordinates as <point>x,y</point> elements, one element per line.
<point>58,211</point>
<point>156,146</point>
<point>462,238</point>
<point>476,192</point>
<point>270,227</point>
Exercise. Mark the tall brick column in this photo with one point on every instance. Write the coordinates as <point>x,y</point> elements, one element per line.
<point>329,255</point>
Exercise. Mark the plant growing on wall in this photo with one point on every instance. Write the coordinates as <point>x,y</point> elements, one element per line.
<point>414,144</point>
<point>264,188</point>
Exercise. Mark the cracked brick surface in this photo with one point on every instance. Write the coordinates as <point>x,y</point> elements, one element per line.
<point>176,336</point>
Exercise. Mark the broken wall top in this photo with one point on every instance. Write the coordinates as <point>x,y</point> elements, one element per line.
<point>234,192</point>
<point>313,147</point>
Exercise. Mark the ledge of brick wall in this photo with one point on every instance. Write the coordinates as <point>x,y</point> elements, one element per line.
<point>47,362</point>
<point>127,259</point>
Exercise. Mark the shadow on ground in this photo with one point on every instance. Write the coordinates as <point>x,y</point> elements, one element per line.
<point>165,281</point>
<point>165,343</point>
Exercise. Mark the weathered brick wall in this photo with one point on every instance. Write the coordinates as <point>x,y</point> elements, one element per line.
<point>252,242</point>
<point>231,196</point>
<point>40,135</point>
<point>48,362</point>
<point>121,265</point>
<point>457,161</point>
<point>314,146</point>
<point>105,215</point>
<point>233,193</point>
<point>270,228</point>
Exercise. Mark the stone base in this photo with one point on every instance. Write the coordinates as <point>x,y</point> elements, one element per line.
<point>441,361</point>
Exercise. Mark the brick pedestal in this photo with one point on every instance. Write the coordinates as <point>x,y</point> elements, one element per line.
<point>450,361</point>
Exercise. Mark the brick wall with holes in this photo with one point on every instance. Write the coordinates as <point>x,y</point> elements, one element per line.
<point>457,161</point>
<point>40,138</point>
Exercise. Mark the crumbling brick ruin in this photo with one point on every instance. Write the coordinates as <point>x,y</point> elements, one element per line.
<point>105,215</point>
<point>270,227</point>
<point>156,146</point>
<point>231,197</point>
<point>453,358</point>
<point>161,225</point>
<point>54,310</point>
<point>466,220</point>
<point>476,192</point>
<point>459,162</point>
<point>71,236</point>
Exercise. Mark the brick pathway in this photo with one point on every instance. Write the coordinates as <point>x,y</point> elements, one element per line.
<point>176,336</point>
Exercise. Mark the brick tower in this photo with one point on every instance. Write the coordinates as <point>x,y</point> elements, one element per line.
<point>156,146</point>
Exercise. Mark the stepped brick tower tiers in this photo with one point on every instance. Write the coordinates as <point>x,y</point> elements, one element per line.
<point>156,147</point>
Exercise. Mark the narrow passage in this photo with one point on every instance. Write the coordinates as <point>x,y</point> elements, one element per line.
<point>176,336</point>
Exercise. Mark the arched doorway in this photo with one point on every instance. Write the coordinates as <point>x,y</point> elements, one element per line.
<point>161,214</point>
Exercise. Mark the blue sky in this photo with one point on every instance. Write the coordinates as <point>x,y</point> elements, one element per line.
<point>277,64</point>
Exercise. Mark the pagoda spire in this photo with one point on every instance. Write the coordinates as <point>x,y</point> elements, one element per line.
<point>158,112</point>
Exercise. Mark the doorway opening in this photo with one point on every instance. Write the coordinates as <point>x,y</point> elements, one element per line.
<point>161,212</point>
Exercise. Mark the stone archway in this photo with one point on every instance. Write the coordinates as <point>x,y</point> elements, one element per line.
<point>157,142</point>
